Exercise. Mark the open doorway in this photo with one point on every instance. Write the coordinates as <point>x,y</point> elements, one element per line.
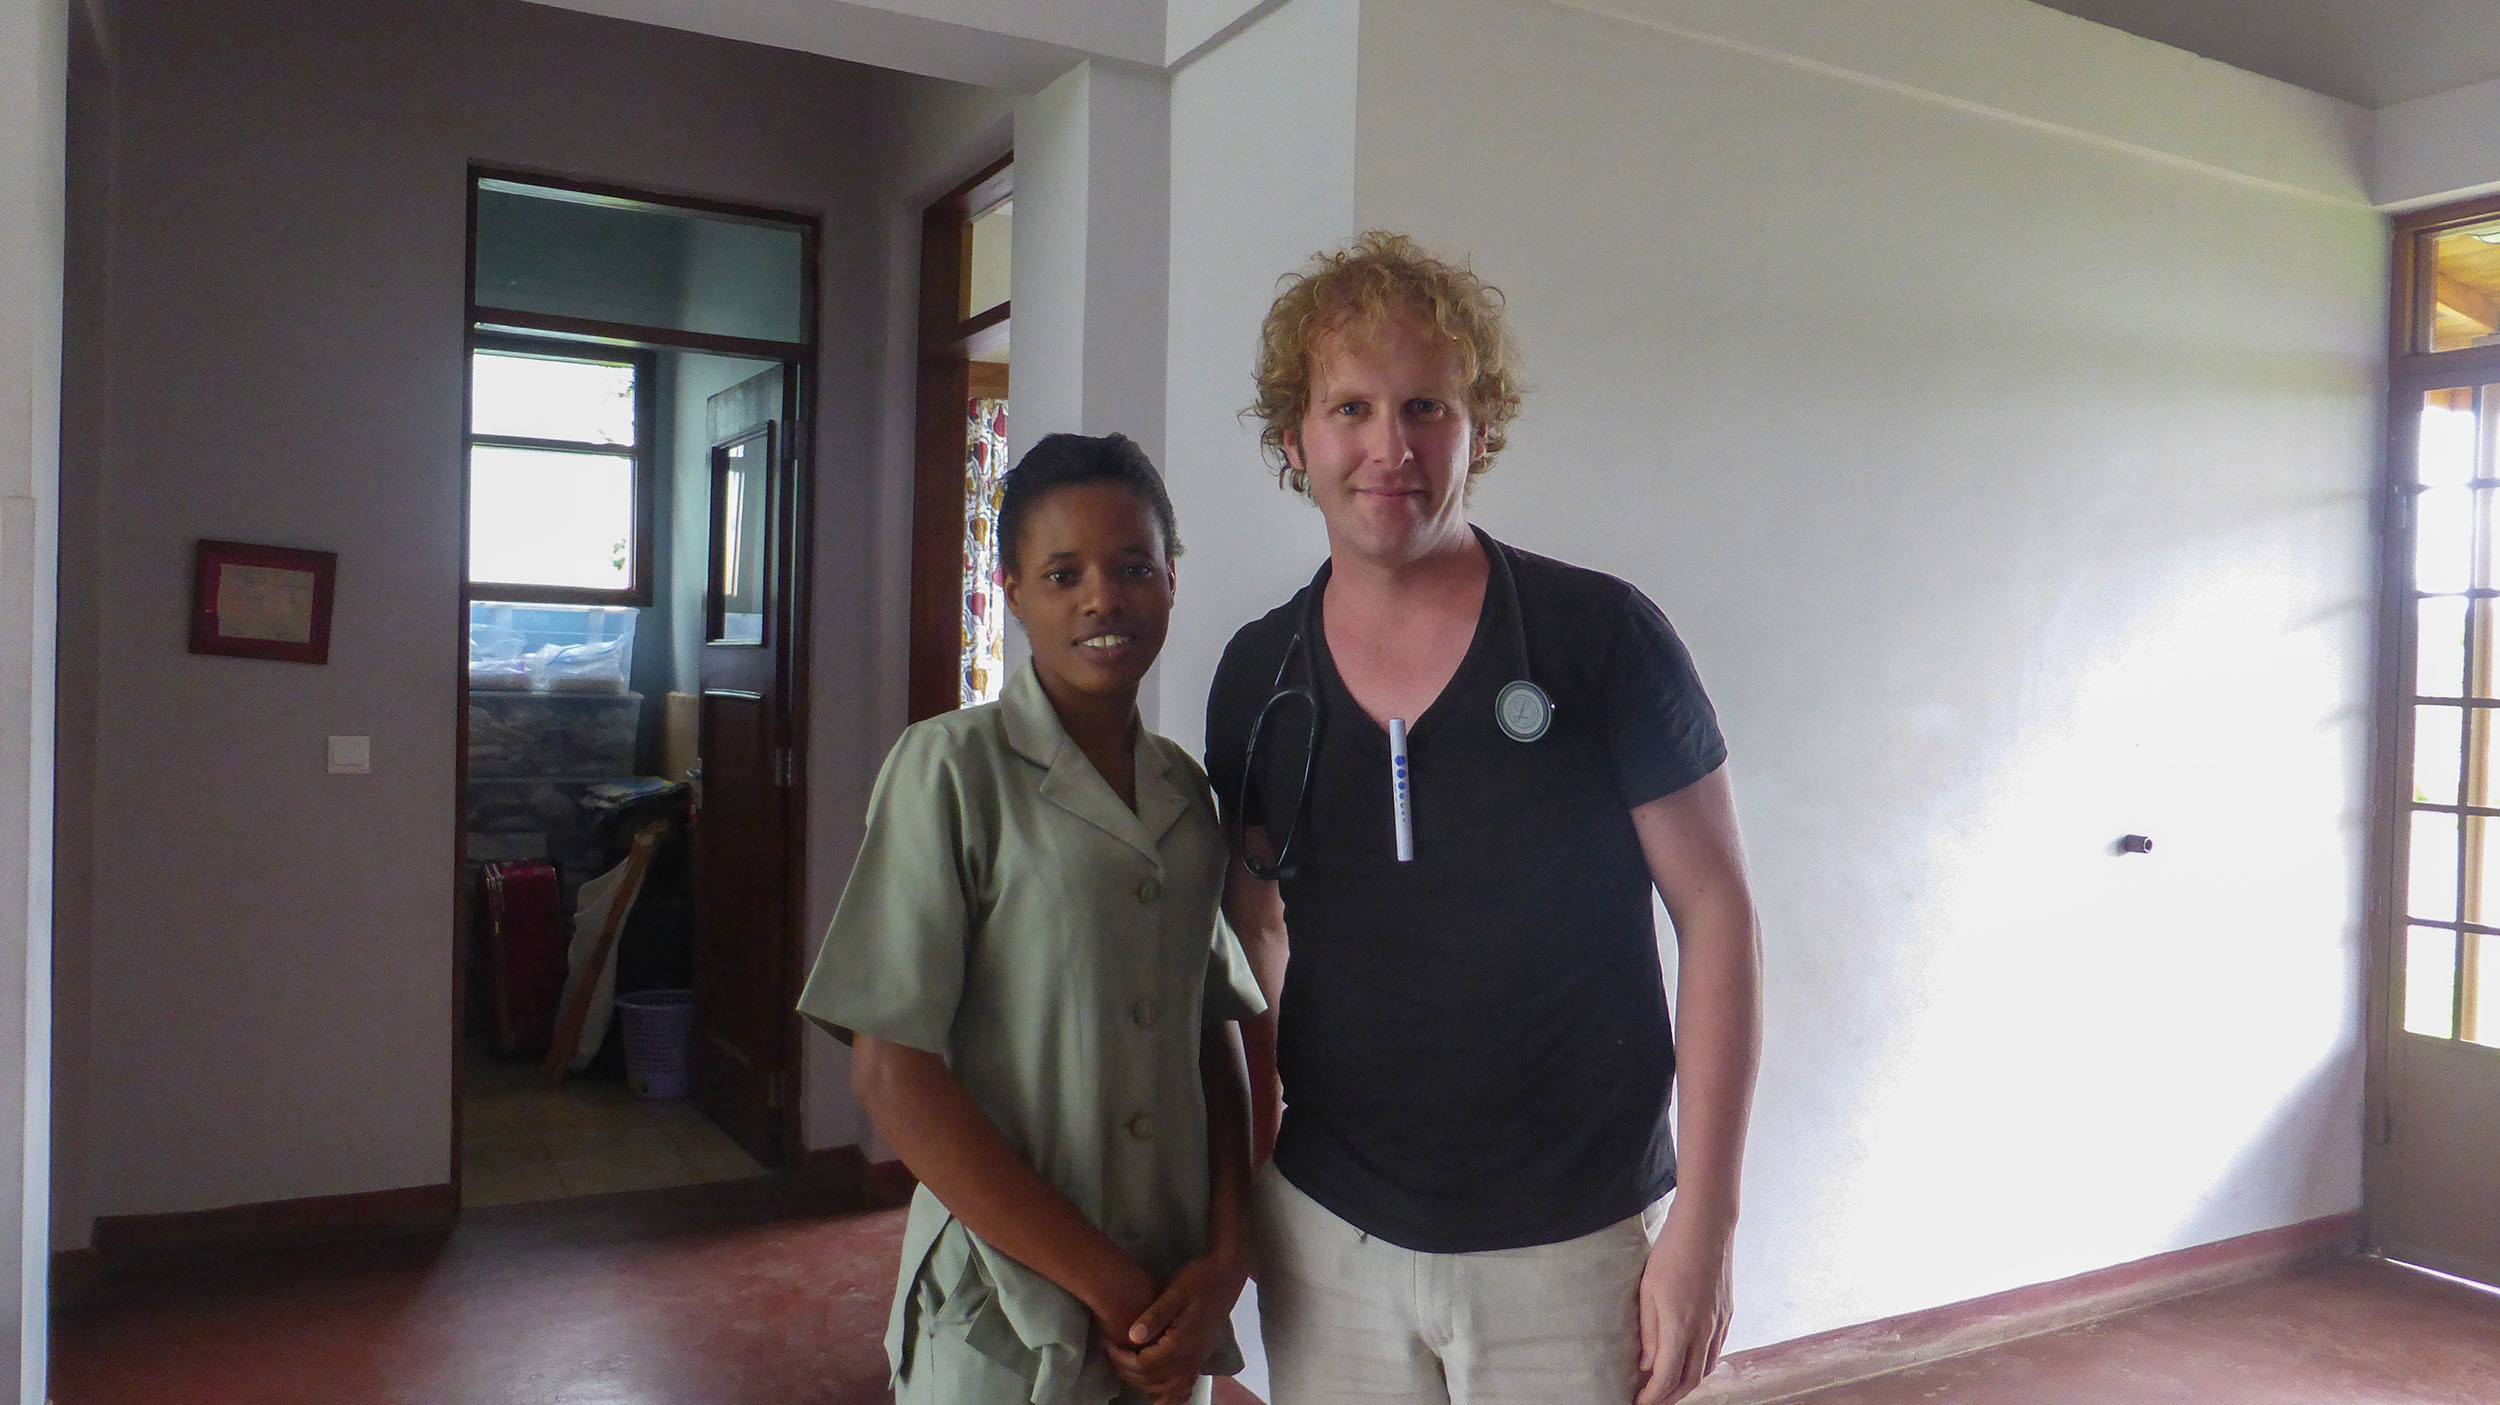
<point>629,758</point>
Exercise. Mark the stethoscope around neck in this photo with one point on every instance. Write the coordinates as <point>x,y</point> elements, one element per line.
<point>1520,708</point>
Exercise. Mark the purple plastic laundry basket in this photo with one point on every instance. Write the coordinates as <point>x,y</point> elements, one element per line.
<point>659,1035</point>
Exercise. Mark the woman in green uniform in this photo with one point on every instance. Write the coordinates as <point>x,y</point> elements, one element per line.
<point>1038,995</point>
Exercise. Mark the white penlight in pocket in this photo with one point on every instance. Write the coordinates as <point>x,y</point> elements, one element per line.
<point>1401,801</point>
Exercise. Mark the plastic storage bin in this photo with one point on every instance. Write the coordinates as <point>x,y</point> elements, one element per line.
<point>551,648</point>
<point>658,1029</point>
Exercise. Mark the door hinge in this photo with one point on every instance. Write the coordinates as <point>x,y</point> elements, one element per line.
<point>785,767</point>
<point>2387,1126</point>
<point>2399,510</point>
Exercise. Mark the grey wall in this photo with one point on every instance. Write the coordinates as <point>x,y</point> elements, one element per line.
<point>266,949</point>
<point>936,136</point>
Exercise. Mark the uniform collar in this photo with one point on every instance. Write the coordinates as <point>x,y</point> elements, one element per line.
<point>1034,732</point>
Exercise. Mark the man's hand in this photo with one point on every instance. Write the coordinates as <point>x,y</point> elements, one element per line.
<point>1684,1308</point>
<point>1165,1350</point>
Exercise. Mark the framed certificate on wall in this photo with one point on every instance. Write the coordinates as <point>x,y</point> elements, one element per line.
<point>262,602</point>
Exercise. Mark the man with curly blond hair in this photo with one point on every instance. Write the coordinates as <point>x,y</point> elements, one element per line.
<point>1455,772</point>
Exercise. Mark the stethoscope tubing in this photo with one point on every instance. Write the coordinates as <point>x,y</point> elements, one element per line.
<point>1306,628</point>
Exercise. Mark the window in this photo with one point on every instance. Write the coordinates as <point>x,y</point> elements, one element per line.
<point>560,473</point>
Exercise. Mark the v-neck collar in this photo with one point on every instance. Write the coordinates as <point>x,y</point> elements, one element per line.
<point>1373,735</point>
<point>1034,732</point>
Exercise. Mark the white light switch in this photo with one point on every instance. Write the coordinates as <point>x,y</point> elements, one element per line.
<point>351,756</point>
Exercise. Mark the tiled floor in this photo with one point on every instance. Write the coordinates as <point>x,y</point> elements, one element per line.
<point>521,1140</point>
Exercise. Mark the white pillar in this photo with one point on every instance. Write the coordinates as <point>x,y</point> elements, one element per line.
<point>34,37</point>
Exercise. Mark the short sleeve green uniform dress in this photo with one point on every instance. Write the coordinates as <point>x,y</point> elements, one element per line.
<point>1062,953</point>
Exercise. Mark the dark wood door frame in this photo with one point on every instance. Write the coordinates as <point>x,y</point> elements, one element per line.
<point>480,321</point>
<point>2412,372</point>
<point>948,339</point>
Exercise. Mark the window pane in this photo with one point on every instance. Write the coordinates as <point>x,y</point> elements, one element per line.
<point>2439,648</point>
<point>2446,452</point>
<point>2465,287</point>
<point>572,255</point>
<point>2433,859</point>
<point>543,397</point>
<point>2430,982</point>
<point>2482,870</point>
<point>993,234</point>
<point>741,492</point>
<point>2443,539</point>
<point>546,518</point>
<point>2438,750</point>
<point>2482,733</point>
<point>2481,973</point>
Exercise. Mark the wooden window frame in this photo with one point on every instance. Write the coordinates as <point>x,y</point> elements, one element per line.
<point>949,339</point>
<point>639,576</point>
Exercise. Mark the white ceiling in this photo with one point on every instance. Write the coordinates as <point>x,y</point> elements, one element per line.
<point>2371,52</point>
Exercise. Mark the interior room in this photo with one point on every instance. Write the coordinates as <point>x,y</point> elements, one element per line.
<point>488,481</point>
<point>621,498</point>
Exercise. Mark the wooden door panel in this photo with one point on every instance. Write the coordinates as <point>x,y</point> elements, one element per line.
<point>2443,1163</point>
<point>743,849</point>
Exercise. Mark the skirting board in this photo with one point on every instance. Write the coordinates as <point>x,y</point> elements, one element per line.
<point>410,1210</point>
<point>1768,1375</point>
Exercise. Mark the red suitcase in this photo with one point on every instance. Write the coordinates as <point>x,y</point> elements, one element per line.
<point>521,958</point>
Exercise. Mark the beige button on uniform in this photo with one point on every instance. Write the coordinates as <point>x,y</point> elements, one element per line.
<point>994,917</point>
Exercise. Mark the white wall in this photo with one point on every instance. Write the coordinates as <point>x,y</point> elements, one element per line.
<point>1262,158</point>
<point>1092,163</point>
<point>2011,485</point>
<point>33,108</point>
<point>2016,62</point>
<point>1262,177</point>
<point>1191,26</point>
<point>2436,148</point>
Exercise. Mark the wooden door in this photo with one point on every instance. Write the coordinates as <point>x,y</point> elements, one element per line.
<point>2437,1168</point>
<point>747,767</point>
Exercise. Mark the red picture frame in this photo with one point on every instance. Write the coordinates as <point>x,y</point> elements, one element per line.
<point>262,602</point>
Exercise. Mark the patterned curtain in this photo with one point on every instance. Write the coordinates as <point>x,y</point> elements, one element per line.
<point>985,605</point>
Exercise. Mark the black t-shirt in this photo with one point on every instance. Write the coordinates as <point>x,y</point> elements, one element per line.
<point>1475,1045</point>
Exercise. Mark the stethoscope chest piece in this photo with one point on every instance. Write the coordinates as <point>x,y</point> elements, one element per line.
<point>1522,710</point>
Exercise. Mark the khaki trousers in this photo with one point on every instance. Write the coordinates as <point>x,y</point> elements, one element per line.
<point>1350,1318</point>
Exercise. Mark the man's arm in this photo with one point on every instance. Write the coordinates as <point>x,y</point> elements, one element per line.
<point>916,1103</point>
<point>1256,912</point>
<point>1689,839</point>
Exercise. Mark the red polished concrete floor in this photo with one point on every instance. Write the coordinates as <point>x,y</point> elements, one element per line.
<point>2353,1332</point>
<point>744,1295</point>
<point>739,1294</point>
